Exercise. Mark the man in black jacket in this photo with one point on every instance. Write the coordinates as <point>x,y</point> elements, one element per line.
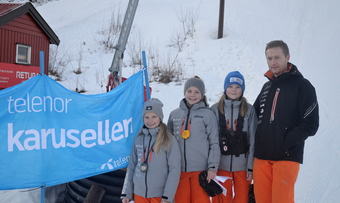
<point>287,111</point>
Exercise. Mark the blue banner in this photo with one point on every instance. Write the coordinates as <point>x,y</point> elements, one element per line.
<point>50,135</point>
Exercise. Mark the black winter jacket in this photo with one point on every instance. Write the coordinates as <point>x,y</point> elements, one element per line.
<point>288,113</point>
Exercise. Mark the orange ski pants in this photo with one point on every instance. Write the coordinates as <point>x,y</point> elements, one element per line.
<point>140,199</point>
<point>274,181</point>
<point>189,189</point>
<point>237,188</point>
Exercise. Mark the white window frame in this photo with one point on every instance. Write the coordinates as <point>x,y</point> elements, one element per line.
<point>28,61</point>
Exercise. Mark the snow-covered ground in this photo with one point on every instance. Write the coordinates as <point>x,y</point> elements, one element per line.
<point>310,28</point>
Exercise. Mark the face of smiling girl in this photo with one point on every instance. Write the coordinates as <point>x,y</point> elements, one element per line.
<point>151,120</point>
<point>234,92</point>
<point>193,95</point>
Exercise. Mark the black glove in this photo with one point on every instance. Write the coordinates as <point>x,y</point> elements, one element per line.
<point>212,188</point>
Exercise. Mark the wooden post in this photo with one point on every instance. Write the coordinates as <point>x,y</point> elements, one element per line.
<point>221,20</point>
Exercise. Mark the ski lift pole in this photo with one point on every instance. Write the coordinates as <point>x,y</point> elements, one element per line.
<point>123,38</point>
<point>146,77</point>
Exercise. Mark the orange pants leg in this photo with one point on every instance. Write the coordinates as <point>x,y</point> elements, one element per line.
<point>284,177</point>
<point>274,181</point>
<point>198,195</point>
<point>228,185</point>
<point>189,189</point>
<point>237,189</point>
<point>263,178</point>
<point>183,189</point>
<point>140,199</point>
<point>241,187</point>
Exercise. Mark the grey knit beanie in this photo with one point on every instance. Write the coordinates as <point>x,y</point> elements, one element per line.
<point>195,82</point>
<point>154,105</point>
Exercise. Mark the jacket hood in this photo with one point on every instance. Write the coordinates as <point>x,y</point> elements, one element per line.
<point>151,131</point>
<point>228,102</point>
<point>292,72</point>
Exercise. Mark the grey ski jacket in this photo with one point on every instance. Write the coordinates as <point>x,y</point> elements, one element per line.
<point>162,176</point>
<point>201,150</point>
<point>244,162</point>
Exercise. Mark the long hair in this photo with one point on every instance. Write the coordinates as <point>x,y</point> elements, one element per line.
<point>243,105</point>
<point>204,99</point>
<point>163,138</point>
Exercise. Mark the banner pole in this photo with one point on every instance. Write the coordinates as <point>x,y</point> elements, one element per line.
<point>42,62</point>
<point>146,77</point>
<point>42,72</point>
<point>42,194</point>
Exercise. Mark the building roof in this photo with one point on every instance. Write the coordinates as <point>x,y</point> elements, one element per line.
<point>10,11</point>
<point>5,8</point>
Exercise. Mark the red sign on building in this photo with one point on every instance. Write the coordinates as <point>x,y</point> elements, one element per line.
<point>12,74</point>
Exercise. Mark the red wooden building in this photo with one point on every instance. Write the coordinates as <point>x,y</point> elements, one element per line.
<point>23,33</point>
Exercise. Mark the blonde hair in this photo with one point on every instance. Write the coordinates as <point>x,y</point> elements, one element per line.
<point>163,138</point>
<point>204,99</point>
<point>243,105</point>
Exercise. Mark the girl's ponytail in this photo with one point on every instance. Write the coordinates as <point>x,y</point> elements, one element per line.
<point>243,107</point>
<point>163,138</point>
<point>220,105</point>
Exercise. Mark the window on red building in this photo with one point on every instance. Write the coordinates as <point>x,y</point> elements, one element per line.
<point>23,55</point>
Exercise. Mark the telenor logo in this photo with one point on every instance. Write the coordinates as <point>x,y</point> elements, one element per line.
<point>118,163</point>
<point>108,164</point>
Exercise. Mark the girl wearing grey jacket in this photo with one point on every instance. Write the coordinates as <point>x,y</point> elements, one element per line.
<point>237,125</point>
<point>154,166</point>
<point>195,127</point>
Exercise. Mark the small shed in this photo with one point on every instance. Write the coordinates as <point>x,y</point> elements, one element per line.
<point>23,33</point>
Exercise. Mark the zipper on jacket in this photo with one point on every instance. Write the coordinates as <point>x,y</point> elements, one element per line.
<point>272,114</point>
<point>186,128</point>
<point>232,116</point>
<point>146,172</point>
<point>232,128</point>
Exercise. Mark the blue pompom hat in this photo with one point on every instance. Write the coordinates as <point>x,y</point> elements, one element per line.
<point>234,77</point>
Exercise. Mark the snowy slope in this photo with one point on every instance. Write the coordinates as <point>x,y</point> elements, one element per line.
<point>310,28</point>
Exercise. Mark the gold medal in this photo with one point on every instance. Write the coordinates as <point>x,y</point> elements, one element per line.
<point>185,134</point>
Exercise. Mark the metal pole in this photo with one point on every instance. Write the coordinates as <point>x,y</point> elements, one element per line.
<point>146,77</point>
<point>42,72</point>
<point>123,37</point>
<point>42,62</point>
<point>42,194</point>
<point>221,20</point>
